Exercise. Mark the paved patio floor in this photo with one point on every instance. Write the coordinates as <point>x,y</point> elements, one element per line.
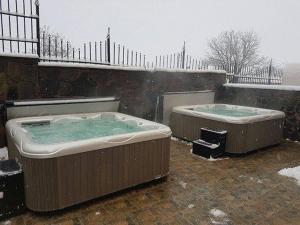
<point>241,190</point>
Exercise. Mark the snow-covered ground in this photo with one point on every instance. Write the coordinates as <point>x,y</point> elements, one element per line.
<point>291,172</point>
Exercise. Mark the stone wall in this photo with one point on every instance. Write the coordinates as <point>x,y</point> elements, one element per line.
<point>23,78</point>
<point>18,80</point>
<point>287,101</point>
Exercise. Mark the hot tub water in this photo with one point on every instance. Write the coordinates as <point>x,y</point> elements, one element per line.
<point>81,128</point>
<point>224,110</point>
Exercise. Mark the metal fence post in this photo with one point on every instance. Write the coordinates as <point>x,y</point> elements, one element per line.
<point>38,34</point>
<point>183,56</point>
<point>108,45</point>
<point>270,72</point>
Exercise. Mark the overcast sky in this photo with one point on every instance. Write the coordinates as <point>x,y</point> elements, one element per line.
<point>160,26</point>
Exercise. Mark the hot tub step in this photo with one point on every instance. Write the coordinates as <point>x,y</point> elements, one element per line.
<point>211,144</point>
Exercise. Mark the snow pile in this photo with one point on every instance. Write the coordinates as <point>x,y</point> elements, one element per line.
<point>183,184</point>
<point>3,153</point>
<point>291,172</point>
<point>220,217</point>
<point>297,142</point>
<point>211,159</point>
<point>181,141</point>
<point>217,213</point>
<point>190,206</point>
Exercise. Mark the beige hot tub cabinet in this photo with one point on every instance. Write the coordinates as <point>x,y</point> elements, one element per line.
<point>58,176</point>
<point>245,134</point>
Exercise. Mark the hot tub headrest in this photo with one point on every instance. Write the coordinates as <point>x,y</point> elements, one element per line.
<point>59,106</point>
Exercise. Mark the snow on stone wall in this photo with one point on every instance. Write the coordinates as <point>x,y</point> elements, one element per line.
<point>138,88</point>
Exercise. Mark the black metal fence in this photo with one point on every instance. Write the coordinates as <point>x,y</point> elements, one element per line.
<point>253,79</point>
<point>20,33</point>
<point>111,53</point>
<point>262,75</point>
<point>179,61</point>
<point>20,26</point>
<point>55,49</point>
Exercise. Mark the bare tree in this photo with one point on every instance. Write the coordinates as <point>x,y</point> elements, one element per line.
<point>55,44</point>
<point>234,51</point>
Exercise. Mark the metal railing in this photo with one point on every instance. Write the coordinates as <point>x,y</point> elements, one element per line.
<point>56,50</point>
<point>262,75</point>
<point>111,53</point>
<point>20,24</point>
<point>20,33</point>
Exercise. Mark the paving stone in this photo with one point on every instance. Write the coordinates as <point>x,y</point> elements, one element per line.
<point>247,189</point>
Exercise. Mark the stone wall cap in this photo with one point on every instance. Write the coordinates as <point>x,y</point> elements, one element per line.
<point>126,68</point>
<point>264,86</point>
<point>18,55</point>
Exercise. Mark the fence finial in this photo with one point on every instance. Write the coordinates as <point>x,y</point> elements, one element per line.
<point>108,32</point>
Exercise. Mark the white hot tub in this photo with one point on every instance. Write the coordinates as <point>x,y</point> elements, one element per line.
<point>68,159</point>
<point>248,127</point>
<point>60,135</point>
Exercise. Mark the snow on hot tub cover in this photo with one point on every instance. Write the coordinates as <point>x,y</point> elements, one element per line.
<point>231,113</point>
<point>32,140</point>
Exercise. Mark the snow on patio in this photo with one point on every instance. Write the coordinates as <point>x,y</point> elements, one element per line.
<point>239,190</point>
<point>219,217</point>
<point>291,172</point>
